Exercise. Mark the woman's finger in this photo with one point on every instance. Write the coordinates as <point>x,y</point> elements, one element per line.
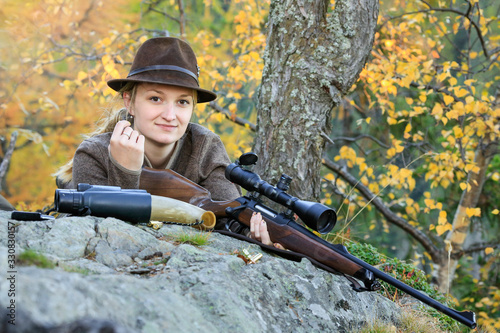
<point>253,220</point>
<point>257,223</point>
<point>119,128</point>
<point>133,136</point>
<point>264,234</point>
<point>279,246</point>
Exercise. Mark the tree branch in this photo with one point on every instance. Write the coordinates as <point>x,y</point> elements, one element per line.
<point>466,15</point>
<point>449,10</point>
<point>362,136</point>
<point>422,238</point>
<point>232,117</point>
<point>475,248</point>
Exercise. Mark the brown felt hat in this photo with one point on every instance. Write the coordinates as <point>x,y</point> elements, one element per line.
<point>165,60</point>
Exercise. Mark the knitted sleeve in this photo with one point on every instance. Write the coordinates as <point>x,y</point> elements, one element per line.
<point>94,165</point>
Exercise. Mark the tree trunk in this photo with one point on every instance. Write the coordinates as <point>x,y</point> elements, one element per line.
<point>461,221</point>
<point>313,56</point>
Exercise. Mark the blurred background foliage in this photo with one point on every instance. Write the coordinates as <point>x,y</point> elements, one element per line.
<point>426,102</point>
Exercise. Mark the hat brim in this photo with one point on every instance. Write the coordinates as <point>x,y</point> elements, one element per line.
<point>173,79</point>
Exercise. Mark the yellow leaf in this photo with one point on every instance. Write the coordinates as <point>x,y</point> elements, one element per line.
<point>463,186</point>
<point>442,220</point>
<point>106,59</point>
<point>330,177</point>
<point>473,55</point>
<point>469,167</point>
<point>441,229</point>
<point>482,313</point>
<point>407,131</point>
<point>461,93</point>
<point>441,77</point>
<point>81,75</point>
<point>429,203</point>
<point>391,121</point>
<point>495,212</point>
<point>488,250</point>
<point>457,131</point>
<point>473,212</point>
<point>437,110</point>
<point>368,120</point>
<point>448,99</point>
<point>452,114</point>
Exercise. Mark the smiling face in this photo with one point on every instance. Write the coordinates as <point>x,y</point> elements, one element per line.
<point>161,112</point>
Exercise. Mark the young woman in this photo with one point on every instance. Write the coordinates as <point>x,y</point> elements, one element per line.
<point>153,129</point>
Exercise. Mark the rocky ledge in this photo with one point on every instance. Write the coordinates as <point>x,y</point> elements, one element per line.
<point>110,276</point>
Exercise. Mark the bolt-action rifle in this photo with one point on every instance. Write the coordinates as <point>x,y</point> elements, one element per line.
<point>283,227</point>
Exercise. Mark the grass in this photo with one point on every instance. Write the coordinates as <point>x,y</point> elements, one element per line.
<point>410,321</point>
<point>413,277</point>
<point>33,258</point>
<point>81,271</point>
<point>191,237</point>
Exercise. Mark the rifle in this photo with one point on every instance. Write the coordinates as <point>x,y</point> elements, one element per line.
<point>282,226</point>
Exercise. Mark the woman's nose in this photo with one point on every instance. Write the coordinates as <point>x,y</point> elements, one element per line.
<point>169,112</point>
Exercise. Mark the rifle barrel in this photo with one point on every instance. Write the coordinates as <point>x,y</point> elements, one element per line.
<point>467,318</point>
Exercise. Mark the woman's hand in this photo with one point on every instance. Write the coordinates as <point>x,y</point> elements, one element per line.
<point>127,146</point>
<point>258,230</point>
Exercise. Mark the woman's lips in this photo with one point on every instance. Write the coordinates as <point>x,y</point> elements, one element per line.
<point>167,128</point>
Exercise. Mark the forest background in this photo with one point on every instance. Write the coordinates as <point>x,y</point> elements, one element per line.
<point>411,163</point>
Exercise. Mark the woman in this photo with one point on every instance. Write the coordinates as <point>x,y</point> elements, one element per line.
<point>154,130</point>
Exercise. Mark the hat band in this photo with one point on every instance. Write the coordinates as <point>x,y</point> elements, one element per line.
<point>163,67</point>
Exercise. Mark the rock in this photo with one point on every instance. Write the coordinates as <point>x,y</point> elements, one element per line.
<point>115,277</point>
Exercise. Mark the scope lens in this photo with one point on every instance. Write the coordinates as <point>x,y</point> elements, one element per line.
<point>326,221</point>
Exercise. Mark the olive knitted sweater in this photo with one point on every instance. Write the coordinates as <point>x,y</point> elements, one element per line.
<point>199,156</point>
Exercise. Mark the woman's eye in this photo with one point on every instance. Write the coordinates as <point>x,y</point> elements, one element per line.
<point>155,99</point>
<point>184,102</point>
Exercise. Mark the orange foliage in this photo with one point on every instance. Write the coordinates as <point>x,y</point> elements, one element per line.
<point>44,44</point>
<point>59,55</point>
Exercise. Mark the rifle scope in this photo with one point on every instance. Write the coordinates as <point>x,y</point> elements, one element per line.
<point>315,215</point>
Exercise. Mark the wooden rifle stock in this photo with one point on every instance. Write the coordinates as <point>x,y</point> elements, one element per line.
<point>170,184</point>
<point>284,230</point>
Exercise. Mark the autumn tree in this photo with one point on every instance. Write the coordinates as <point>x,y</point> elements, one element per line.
<point>50,52</point>
<point>314,54</point>
<point>417,140</point>
<point>416,133</point>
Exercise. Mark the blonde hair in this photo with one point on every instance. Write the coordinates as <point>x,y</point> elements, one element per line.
<point>107,123</point>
